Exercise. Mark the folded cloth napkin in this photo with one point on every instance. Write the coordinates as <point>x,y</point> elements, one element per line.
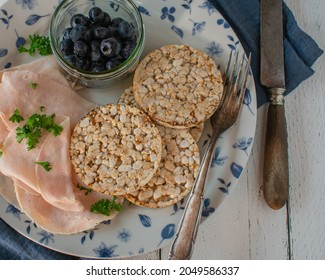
<point>300,50</point>
<point>14,246</point>
<point>300,54</point>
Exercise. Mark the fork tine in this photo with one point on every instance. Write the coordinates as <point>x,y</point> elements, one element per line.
<point>225,74</point>
<point>243,87</point>
<point>233,71</point>
<point>225,78</point>
<point>239,74</point>
<point>225,100</point>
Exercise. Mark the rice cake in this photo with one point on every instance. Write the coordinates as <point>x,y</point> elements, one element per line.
<point>127,97</point>
<point>178,86</point>
<point>177,172</point>
<point>116,149</point>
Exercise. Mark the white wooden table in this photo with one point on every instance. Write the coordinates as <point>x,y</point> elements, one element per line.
<point>244,227</point>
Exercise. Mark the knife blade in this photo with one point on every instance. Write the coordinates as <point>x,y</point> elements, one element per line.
<point>272,76</point>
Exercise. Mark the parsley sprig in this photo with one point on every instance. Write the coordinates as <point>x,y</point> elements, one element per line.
<point>16,117</point>
<point>37,43</point>
<point>45,164</point>
<point>105,206</point>
<point>35,124</point>
<point>82,188</point>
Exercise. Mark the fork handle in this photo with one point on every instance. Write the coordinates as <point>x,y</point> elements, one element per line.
<point>275,173</point>
<point>183,243</point>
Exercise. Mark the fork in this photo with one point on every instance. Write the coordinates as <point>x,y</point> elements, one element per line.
<point>224,117</point>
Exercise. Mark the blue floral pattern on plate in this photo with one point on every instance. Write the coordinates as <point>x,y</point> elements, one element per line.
<point>137,230</point>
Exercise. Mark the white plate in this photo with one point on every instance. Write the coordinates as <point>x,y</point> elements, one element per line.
<point>139,230</point>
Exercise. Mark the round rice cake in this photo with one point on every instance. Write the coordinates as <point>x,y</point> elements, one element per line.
<point>115,149</point>
<point>178,86</point>
<point>127,97</point>
<point>177,172</point>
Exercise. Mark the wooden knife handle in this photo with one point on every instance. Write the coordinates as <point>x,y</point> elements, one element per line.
<point>276,171</point>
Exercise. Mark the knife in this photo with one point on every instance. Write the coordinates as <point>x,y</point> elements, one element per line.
<point>272,76</point>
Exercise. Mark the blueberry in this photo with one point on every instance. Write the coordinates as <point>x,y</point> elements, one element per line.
<point>100,33</point>
<point>79,19</point>
<point>128,48</point>
<point>71,59</point>
<point>66,47</point>
<point>115,24</point>
<point>106,20</point>
<point>110,47</point>
<point>80,48</point>
<point>82,63</point>
<point>113,63</point>
<point>111,32</point>
<point>126,30</point>
<point>89,35</point>
<point>96,14</point>
<point>78,33</point>
<point>95,53</point>
<point>98,68</point>
<point>66,33</point>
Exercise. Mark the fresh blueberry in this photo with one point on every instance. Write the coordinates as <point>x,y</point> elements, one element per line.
<point>126,30</point>
<point>96,14</point>
<point>71,59</point>
<point>100,67</point>
<point>100,33</point>
<point>87,64</point>
<point>79,19</point>
<point>128,48</point>
<point>89,35</point>
<point>110,47</point>
<point>106,20</point>
<point>95,53</point>
<point>66,33</point>
<point>111,32</point>
<point>78,33</point>
<point>113,63</point>
<point>66,47</point>
<point>80,48</point>
<point>116,22</point>
<point>82,63</point>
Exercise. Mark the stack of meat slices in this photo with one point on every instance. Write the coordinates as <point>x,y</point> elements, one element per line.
<point>50,198</point>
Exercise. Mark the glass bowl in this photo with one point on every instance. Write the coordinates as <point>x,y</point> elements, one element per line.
<point>85,76</point>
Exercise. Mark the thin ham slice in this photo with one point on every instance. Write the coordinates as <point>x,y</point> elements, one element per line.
<point>56,98</point>
<point>46,64</point>
<point>19,163</point>
<point>4,131</point>
<point>56,186</point>
<point>56,220</point>
<point>7,190</point>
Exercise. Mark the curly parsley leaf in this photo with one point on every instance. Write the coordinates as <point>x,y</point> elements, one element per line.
<point>16,117</point>
<point>45,164</point>
<point>37,43</point>
<point>105,206</point>
<point>32,130</point>
<point>32,136</point>
<point>82,188</point>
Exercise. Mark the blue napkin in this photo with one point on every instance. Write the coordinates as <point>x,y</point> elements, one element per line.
<point>301,52</point>
<point>14,246</point>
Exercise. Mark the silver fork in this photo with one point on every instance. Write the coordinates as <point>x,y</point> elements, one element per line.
<point>224,117</point>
